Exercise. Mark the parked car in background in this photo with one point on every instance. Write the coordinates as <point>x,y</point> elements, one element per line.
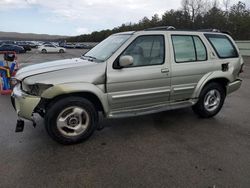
<point>8,42</point>
<point>32,44</point>
<point>11,47</point>
<point>51,48</point>
<point>25,45</point>
<point>69,45</point>
<point>81,46</point>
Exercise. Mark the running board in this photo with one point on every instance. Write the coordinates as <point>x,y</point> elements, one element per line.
<point>151,110</point>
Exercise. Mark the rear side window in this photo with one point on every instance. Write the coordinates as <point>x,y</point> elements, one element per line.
<point>222,45</point>
<point>188,48</point>
<point>200,49</point>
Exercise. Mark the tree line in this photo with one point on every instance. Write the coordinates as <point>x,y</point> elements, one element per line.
<point>194,14</point>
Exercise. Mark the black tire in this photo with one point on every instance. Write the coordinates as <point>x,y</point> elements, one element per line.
<point>61,51</point>
<point>200,108</point>
<point>44,51</point>
<point>54,111</point>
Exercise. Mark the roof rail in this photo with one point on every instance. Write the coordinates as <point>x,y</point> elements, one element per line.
<point>215,30</point>
<point>160,28</point>
<point>227,32</point>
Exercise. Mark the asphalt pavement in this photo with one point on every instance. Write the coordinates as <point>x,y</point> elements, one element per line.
<point>168,149</point>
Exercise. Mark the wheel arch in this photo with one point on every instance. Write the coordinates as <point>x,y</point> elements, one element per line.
<point>223,81</point>
<point>87,95</point>
<point>85,90</point>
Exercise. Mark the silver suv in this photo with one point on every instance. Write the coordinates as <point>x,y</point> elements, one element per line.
<point>129,74</point>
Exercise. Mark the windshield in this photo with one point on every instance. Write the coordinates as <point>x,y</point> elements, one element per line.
<point>107,47</point>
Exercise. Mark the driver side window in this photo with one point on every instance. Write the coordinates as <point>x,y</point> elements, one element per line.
<point>146,50</point>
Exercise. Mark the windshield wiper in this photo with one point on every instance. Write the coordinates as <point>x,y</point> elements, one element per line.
<point>90,58</point>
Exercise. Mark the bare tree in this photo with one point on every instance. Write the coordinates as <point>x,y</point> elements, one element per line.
<point>194,7</point>
<point>185,6</point>
<point>215,4</point>
<point>226,4</point>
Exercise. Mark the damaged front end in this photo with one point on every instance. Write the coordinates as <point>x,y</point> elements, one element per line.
<point>40,83</point>
<point>25,100</point>
<point>24,105</point>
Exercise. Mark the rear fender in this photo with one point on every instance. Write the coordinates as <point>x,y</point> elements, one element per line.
<point>208,78</point>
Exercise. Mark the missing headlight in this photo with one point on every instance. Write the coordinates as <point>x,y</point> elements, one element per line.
<point>36,89</point>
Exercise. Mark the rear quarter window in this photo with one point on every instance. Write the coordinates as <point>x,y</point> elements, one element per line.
<point>222,45</point>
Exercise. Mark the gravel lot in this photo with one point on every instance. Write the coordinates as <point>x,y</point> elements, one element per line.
<point>169,149</point>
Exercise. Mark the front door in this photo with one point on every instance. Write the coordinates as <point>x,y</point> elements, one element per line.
<point>146,83</point>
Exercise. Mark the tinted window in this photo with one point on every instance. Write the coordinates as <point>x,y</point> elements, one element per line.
<point>188,48</point>
<point>200,49</point>
<point>222,45</point>
<point>146,50</point>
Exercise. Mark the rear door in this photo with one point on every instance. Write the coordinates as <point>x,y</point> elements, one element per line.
<point>54,48</point>
<point>190,62</point>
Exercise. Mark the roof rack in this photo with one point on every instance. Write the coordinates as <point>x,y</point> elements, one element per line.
<point>160,28</point>
<point>210,30</point>
<point>215,30</point>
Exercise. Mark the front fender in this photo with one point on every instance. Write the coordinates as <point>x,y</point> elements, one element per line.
<point>68,88</point>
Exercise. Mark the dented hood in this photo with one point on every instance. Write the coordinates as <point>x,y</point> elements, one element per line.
<point>63,71</point>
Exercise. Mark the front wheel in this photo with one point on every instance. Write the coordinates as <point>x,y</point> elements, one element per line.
<point>61,51</point>
<point>210,101</point>
<point>71,120</point>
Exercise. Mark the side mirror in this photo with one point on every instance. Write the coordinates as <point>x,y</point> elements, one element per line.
<point>126,61</point>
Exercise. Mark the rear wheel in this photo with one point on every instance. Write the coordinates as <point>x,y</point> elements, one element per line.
<point>44,51</point>
<point>210,101</point>
<point>71,120</point>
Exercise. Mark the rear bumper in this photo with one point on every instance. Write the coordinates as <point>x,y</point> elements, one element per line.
<point>23,103</point>
<point>233,86</point>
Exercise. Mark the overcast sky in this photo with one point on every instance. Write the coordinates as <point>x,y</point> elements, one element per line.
<point>74,17</point>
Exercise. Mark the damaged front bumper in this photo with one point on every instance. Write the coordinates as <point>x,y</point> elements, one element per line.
<point>24,104</point>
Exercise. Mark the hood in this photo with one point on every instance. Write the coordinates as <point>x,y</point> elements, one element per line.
<point>53,66</point>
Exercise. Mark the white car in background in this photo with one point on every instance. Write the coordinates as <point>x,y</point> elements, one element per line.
<point>51,48</point>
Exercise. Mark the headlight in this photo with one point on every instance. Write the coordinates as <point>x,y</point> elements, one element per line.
<point>35,89</point>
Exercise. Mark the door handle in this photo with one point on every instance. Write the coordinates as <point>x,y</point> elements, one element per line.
<point>166,70</point>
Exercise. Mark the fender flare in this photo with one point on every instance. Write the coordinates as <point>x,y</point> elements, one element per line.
<point>71,88</point>
<point>208,78</point>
